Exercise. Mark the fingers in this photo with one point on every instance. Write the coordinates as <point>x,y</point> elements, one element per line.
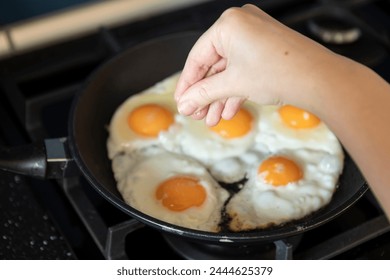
<point>256,11</point>
<point>251,9</point>
<point>203,93</point>
<point>225,109</point>
<point>199,61</point>
<point>200,114</point>
<point>218,67</point>
<point>232,105</point>
<point>214,112</point>
<point>214,69</point>
<point>206,86</point>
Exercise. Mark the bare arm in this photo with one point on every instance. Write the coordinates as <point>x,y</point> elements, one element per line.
<point>247,54</point>
<point>358,113</point>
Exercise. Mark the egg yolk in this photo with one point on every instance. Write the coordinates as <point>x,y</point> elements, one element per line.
<point>279,171</point>
<point>297,118</point>
<point>149,120</point>
<point>180,193</point>
<point>238,126</point>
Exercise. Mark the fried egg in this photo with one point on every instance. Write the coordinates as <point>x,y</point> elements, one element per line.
<point>289,127</point>
<point>284,187</point>
<point>172,188</point>
<point>140,119</point>
<point>284,160</point>
<point>227,139</point>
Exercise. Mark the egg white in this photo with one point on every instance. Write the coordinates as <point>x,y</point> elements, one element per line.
<point>138,183</point>
<point>234,169</point>
<point>260,205</point>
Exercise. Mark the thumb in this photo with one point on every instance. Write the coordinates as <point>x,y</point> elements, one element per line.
<point>203,93</point>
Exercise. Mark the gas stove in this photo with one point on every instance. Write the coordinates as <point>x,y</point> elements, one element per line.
<point>67,219</point>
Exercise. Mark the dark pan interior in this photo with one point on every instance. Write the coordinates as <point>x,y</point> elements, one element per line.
<point>132,71</point>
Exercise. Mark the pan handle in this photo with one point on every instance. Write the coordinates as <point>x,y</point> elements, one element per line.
<point>49,159</point>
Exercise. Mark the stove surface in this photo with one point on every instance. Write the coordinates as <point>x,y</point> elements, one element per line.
<point>68,219</point>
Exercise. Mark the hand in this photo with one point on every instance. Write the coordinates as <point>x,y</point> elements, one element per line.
<point>246,54</point>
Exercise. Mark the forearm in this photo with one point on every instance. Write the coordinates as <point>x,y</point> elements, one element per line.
<point>354,102</point>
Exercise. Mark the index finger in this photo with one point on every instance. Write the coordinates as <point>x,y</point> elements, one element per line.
<point>200,59</point>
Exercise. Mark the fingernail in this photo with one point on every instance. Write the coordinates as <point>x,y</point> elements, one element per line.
<point>186,108</point>
<point>197,113</point>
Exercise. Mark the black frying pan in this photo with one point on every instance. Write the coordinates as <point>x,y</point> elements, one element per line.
<point>128,73</point>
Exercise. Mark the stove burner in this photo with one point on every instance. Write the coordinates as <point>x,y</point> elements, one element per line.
<point>334,31</point>
<point>280,249</point>
<point>345,38</point>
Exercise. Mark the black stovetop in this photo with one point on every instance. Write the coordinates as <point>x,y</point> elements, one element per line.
<point>67,219</point>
